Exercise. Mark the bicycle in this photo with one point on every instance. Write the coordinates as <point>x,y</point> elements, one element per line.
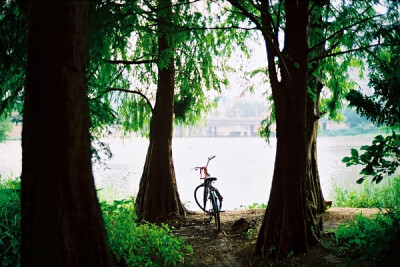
<point>210,195</point>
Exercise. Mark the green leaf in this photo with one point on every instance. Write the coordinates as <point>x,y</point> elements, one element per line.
<point>346,159</point>
<point>354,153</point>
<point>359,181</point>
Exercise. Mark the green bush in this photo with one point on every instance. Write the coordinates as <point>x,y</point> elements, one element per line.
<point>369,195</point>
<point>10,216</point>
<point>144,244</point>
<point>131,243</point>
<point>370,242</point>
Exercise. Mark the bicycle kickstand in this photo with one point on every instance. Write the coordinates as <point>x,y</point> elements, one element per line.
<point>207,220</point>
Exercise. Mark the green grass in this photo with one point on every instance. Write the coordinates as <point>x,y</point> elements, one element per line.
<point>141,244</point>
<point>131,243</point>
<point>369,195</point>
<point>370,241</point>
<point>10,216</point>
<point>254,206</point>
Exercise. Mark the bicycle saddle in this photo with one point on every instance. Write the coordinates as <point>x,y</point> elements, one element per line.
<point>211,179</point>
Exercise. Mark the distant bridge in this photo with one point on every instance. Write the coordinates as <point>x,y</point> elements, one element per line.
<point>220,122</point>
<point>223,127</point>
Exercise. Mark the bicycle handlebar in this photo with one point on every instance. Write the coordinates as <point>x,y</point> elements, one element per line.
<point>204,167</point>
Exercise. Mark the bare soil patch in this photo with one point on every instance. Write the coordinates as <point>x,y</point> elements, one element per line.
<point>234,245</point>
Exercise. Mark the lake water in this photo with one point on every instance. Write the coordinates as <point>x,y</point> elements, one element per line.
<point>243,166</point>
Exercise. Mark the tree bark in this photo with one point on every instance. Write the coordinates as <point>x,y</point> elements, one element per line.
<point>315,199</point>
<point>315,203</point>
<point>289,223</point>
<point>61,221</point>
<point>158,194</point>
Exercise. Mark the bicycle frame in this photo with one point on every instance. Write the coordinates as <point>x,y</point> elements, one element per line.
<point>210,193</point>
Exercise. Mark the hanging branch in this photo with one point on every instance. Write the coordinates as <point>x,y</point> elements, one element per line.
<point>266,32</point>
<point>112,89</point>
<point>333,35</point>
<point>131,62</point>
<point>347,52</point>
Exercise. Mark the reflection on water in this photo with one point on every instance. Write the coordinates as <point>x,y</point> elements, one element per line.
<point>243,166</point>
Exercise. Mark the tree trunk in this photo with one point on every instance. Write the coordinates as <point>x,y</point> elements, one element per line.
<point>315,199</point>
<point>315,203</point>
<point>61,221</point>
<point>158,194</point>
<point>295,195</point>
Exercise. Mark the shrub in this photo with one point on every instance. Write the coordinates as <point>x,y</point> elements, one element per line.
<point>131,244</point>
<point>10,217</point>
<point>370,242</point>
<point>142,244</point>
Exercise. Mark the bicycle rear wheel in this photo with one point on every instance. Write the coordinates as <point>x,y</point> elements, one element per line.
<point>216,210</point>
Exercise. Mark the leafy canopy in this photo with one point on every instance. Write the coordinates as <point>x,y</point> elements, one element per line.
<point>125,59</point>
<point>13,41</point>
<point>340,32</point>
<point>382,158</point>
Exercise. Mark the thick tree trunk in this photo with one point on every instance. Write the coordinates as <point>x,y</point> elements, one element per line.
<point>61,222</point>
<point>158,194</point>
<point>295,196</point>
<point>315,203</point>
<point>315,199</point>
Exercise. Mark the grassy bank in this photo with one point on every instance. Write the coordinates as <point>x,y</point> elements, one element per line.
<point>352,131</point>
<point>369,195</point>
<point>131,243</point>
<point>370,241</point>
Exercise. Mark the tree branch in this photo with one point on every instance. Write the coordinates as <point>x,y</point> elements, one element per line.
<point>214,28</point>
<point>377,58</point>
<point>188,28</point>
<point>346,52</point>
<point>153,9</point>
<point>247,14</point>
<point>267,33</point>
<point>130,62</point>
<point>113,89</point>
<point>278,18</point>
<point>342,30</point>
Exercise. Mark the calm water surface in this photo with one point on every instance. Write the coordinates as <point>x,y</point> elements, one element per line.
<point>243,166</point>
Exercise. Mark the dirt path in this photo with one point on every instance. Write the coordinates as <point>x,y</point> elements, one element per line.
<point>234,246</point>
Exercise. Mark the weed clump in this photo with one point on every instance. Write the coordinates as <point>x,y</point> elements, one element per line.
<point>10,217</point>
<point>141,244</point>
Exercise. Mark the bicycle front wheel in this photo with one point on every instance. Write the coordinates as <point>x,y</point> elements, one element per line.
<point>216,210</point>
<point>201,194</point>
